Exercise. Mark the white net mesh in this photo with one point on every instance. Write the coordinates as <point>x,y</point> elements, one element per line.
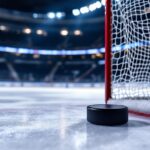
<point>131,49</point>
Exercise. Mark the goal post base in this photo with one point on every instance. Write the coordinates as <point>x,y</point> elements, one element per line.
<point>139,108</point>
<point>105,114</point>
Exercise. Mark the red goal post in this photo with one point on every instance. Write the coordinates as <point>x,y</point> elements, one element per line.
<point>108,16</point>
<point>136,103</point>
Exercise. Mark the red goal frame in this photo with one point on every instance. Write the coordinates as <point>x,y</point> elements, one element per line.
<point>108,56</point>
<point>108,43</point>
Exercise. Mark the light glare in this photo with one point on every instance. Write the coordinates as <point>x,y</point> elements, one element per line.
<point>3,28</point>
<point>77,32</point>
<point>84,10</point>
<point>51,15</point>
<point>59,15</point>
<point>40,32</point>
<point>98,4</point>
<point>35,15</point>
<point>64,32</point>
<point>103,2</point>
<point>27,30</point>
<point>76,12</point>
<point>92,7</point>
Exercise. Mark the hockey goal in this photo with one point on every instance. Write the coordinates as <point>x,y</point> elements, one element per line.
<point>127,44</point>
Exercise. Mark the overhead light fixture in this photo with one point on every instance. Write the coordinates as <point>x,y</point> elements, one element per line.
<point>98,4</point>
<point>64,32</point>
<point>51,15</point>
<point>103,2</point>
<point>92,7</point>
<point>3,28</point>
<point>84,10</point>
<point>40,32</point>
<point>27,30</point>
<point>76,12</point>
<point>35,15</point>
<point>59,15</point>
<point>77,32</point>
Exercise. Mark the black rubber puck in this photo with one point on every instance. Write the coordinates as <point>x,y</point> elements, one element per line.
<point>107,114</point>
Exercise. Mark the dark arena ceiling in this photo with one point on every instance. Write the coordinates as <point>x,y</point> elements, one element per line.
<point>43,5</point>
<point>18,15</point>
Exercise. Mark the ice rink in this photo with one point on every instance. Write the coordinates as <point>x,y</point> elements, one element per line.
<point>55,119</point>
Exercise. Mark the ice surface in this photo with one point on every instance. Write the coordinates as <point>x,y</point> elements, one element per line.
<point>55,119</point>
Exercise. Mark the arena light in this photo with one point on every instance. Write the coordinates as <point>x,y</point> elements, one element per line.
<point>77,32</point>
<point>73,52</point>
<point>98,4</point>
<point>35,15</point>
<point>51,15</point>
<point>25,51</point>
<point>92,7</point>
<point>27,30</point>
<point>40,32</point>
<point>10,49</point>
<point>87,9</point>
<point>59,15</point>
<point>3,28</point>
<point>84,10</point>
<point>64,32</point>
<point>103,2</point>
<point>76,12</point>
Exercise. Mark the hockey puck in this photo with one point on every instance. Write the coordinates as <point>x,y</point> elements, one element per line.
<point>110,115</point>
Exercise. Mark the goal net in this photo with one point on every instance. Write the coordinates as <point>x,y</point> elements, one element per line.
<point>130,52</point>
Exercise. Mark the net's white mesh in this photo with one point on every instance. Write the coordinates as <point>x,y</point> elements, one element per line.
<point>131,49</point>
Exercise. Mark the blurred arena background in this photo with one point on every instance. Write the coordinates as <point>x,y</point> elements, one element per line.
<point>52,43</point>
